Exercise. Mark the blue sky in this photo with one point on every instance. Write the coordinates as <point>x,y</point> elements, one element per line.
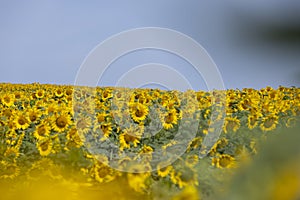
<point>47,41</point>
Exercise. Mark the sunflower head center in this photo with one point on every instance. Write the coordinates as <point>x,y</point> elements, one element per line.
<point>22,121</point>
<point>224,162</point>
<point>129,137</point>
<point>33,117</point>
<point>6,99</point>
<point>61,122</point>
<point>103,171</point>
<point>169,118</point>
<point>44,146</point>
<point>139,113</point>
<point>42,131</point>
<point>101,118</point>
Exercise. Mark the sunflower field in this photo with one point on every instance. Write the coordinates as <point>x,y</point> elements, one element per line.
<point>67,142</point>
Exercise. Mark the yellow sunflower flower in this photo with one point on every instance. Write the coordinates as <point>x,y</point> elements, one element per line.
<point>145,154</point>
<point>106,94</point>
<point>83,124</point>
<point>45,146</point>
<point>195,143</point>
<point>7,112</point>
<point>69,92</point>
<point>8,170</point>
<point>130,136</point>
<point>224,161</point>
<point>39,94</point>
<point>101,117</point>
<point>269,122</point>
<point>104,129</point>
<point>42,131</point>
<point>18,95</point>
<point>59,92</point>
<point>8,100</point>
<point>51,108</point>
<point>170,119</point>
<point>21,121</point>
<point>221,143</point>
<point>34,114</point>
<point>104,173</point>
<point>231,124</point>
<point>252,121</point>
<point>61,122</point>
<point>138,112</point>
<point>12,152</point>
<point>164,169</point>
<point>74,139</point>
<point>191,160</point>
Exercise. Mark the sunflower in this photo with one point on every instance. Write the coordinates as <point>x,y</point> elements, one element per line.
<point>164,169</point>
<point>221,143</point>
<point>21,121</point>
<point>12,152</point>
<point>130,136</point>
<point>18,95</point>
<point>74,139</point>
<point>45,146</point>
<point>269,122</point>
<point>191,160</point>
<point>104,173</point>
<point>106,94</point>
<point>224,161</point>
<point>83,124</point>
<point>42,131</point>
<point>51,108</point>
<point>101,117</point>
<point>252,121</point>
<point>195,143</point>
<point>138,112</point>
<point>34,114</point>
<point>119,93</point>
<point>61,122</point>
<point>170,119</point>
<point>7,112</point>
<point>105,129</point>
<point>145,154</point>
<point>231,124</point>
<point>40,94</point>
<point>8,170</point>
<point>69,91</point>
<point>8,100</point>
<point>59,92</point>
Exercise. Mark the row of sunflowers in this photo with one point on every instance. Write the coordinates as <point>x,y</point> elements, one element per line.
<point>92,140</point>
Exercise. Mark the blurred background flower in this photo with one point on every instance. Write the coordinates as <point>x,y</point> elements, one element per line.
<point>274,172</point>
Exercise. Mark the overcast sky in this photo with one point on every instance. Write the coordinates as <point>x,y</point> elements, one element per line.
<point>47,41</point>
